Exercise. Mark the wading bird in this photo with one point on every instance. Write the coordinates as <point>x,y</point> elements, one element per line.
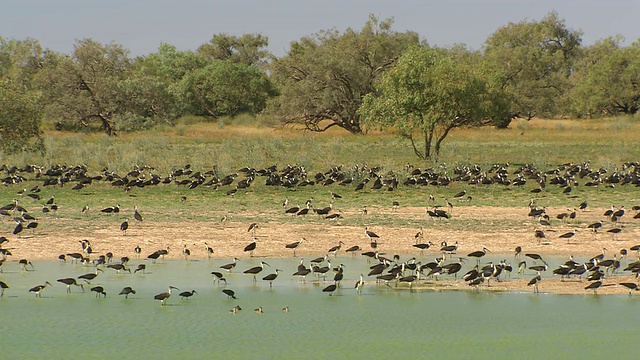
<point>165,295</point>
<point>126,291</point>
<point>39,288</point>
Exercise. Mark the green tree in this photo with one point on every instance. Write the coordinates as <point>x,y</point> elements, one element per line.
<point>85,86</point>
<point>324,77</point>
<point>248,49</point>
<point>532,62</point>
<point>428,93</point>
<point>607,80</point>
<point>20,112</point>
<point>226,88</point>
<point>159,77</point>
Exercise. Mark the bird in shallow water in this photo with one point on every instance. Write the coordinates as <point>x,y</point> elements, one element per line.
<point>165,295</point>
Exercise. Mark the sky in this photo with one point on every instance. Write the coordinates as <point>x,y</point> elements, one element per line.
<point>141,25</point>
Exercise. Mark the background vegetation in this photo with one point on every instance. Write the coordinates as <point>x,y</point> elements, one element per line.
<point>409,88</point>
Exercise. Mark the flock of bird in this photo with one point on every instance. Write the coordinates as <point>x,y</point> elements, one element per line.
<point>386,271</point>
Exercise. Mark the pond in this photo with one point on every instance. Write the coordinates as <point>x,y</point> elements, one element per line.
<point>381,322</point>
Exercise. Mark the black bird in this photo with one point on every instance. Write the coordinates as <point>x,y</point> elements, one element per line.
<point>535,282</point>
<point>219,277</point>
<point>353,249</point>
<point>136,214</point>
<point>230,266</point>
<point>251,247</point>
<point>449,248</point>
<point>141,267</point>
<point>594,286</point>
<point>256,270</point>
<point>208,249</point>
<point>124,226</point>
<point>252,228</point>
<point>39,288</point>
<point>24,263</point>
<point>165,295</point>
<point>535,257</point>
<point>137,250</point>
<point>119,267</point>
<point>479,254</point>
<point>69,282</point>
<point>330,289</point>
<point>90,276</point>
<point>126,291</point>
<point>271,277</point>
<point>187,294</point>
<point>230,293</point>
<point>99,290</point>
<point>630,286</point>
<point>568,235</point>
<point>294,245</point>
<point>3,286</point>
<point>335,249</point>
<point>460,194</point>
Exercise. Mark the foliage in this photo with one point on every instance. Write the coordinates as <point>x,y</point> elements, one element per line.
<point>160,75</point>
<point>224,87</point>
<point>248,49</point>
<point>324,77</point>
<point>607,80</point>
<point>20,113</point>
<point>85,86</point>
<point>532,62</point>
<point>430,91</point>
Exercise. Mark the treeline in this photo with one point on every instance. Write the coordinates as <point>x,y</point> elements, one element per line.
<point>374,77</point>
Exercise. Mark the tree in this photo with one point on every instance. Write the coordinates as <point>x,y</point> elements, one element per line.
<point>20,112</point>
<point>607,80</point>
<point>85,86</point>
<point>248,49</point>
<point>430,92</point>
<point>159,77</point>
<point>226,88</point>
<point>531,62</point>
<point>324,77</point>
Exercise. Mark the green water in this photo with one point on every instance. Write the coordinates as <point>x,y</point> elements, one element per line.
<point>382,322</point>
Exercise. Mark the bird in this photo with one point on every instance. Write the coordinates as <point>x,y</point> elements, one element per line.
<point>251,247</point>
<point>479,254</point>
<point>69,282</point>
<point>136,214</point>
<point>568,235</point>
<point>137,250</point>
<point>24,263</point>
<point>360,284</point>
<point>271,277</point>
<point>187,294</point>
<point>99,290</point>
<point>141,267</point>
<point>3,285</point>
<point>252,228</point>
<point>208,249</point>
<point>165,295</point>
<point>126,291</point>
<point>235,309</point>
<point>353,249</point>
<point>258,310</point>
<point>628,285</point>
<point>330,289</point>
<point>256,270</point>
<point>39,288</point>
<point>90,276</point>
<point>535,282</point>
<point>335,249</point>
<point>460,194</point>
<point>594,286</point>
<point>285,309</point>
<point>186,252</point>
<point>230,266</point>
<point>370,234</point>
<point>124,226</point>
<point>230,293</point>
<point>119,267</point>
<point>294,245</point>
